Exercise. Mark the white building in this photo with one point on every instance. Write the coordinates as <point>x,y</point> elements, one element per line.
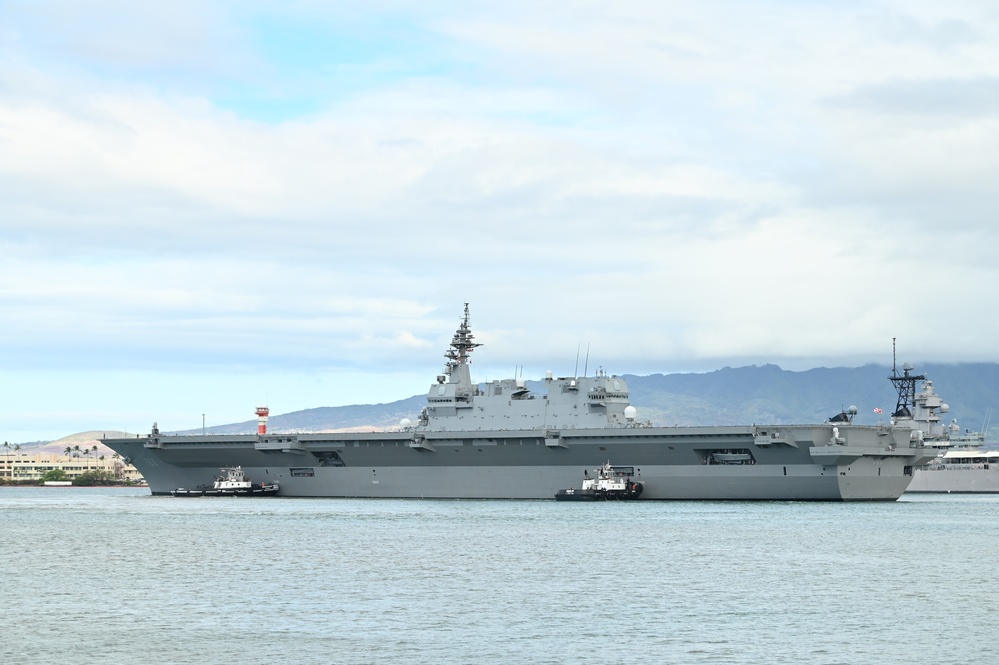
<point>17,466</point>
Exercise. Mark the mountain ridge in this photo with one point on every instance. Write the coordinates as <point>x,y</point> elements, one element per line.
<point>727,396</point>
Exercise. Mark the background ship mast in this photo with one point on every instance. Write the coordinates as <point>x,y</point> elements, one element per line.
<point>905,385</point>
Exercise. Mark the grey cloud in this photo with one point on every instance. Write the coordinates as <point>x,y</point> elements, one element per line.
<point>947,98</point>
<point>946,34</point>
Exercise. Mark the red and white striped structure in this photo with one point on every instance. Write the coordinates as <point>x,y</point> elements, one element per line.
<point>262,413</point>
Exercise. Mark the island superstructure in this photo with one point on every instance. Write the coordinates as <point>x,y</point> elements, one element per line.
<point>501,440</point>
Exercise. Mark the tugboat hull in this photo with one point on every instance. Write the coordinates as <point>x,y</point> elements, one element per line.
<point>576,495</point>
<point>267,490</point>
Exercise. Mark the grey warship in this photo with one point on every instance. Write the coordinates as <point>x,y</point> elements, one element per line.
<point>963,464</point>
<point>501,440</point>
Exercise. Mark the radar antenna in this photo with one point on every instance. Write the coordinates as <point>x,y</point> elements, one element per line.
<point>462,345</point>
<point>905,384</point>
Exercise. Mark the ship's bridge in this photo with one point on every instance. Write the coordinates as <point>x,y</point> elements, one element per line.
<point>455,403</point>
<point>570,402</point>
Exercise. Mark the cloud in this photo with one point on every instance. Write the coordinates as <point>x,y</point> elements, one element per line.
<point>246,189</point>
<point>180,42</point>
<point>939,33</point>
<point>947,100</point>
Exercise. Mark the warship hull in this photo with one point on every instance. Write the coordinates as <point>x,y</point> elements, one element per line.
<point>807,462</point>
<point>959,472</point>
<point>970,481</point>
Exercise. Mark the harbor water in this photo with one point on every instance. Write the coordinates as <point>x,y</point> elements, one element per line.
<point>116,575</point>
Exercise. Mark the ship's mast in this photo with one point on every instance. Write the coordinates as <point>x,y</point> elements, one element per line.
<point>462,345</point>
<point>905,385</point>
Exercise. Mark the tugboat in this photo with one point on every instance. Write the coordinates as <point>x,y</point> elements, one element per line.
<point>610,483</point>
<point>232,482</point>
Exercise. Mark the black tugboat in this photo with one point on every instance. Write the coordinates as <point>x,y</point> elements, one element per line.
<point>611,483</point>
<point>232,482</point>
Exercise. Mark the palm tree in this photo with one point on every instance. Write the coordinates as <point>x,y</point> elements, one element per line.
<point>17,447</point>
<point>68,451</point>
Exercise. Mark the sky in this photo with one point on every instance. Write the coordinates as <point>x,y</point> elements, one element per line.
<point>207,207</point>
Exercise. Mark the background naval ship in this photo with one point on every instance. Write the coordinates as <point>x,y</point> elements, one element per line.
<point>501,440</point>
<point>963,464</point>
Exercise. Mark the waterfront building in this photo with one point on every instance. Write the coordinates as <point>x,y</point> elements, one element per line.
<point>19,466</point>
